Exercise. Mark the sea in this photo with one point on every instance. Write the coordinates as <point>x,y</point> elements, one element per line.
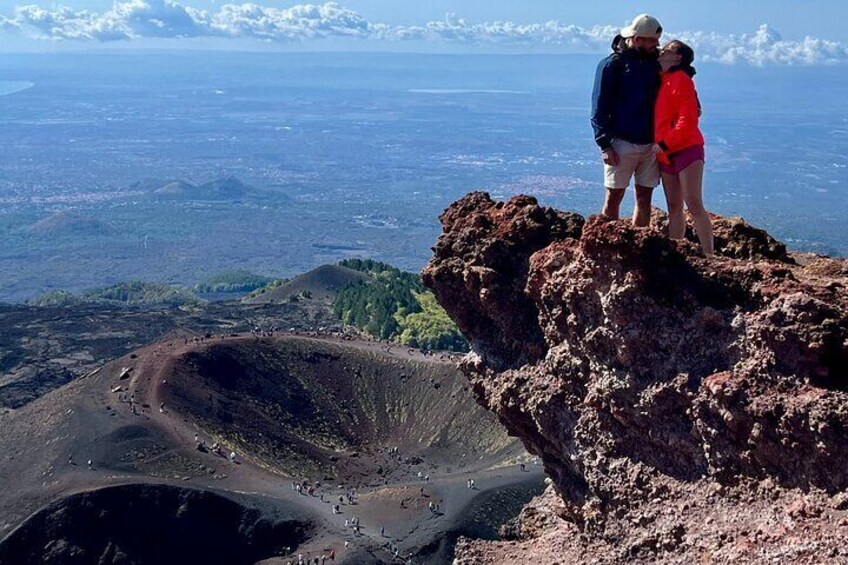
<point>356,155</point>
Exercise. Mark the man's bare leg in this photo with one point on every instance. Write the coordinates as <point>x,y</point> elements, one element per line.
<point>642,212</point>
<point>612,203</point>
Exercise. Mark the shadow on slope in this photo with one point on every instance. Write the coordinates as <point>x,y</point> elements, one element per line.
<point>315,409</point>
<point>151,524</point>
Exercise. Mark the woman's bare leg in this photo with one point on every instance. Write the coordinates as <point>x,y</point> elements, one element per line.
<point>691,183</point>
<point>674,201</point>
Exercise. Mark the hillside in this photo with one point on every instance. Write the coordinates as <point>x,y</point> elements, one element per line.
<point>322,283</point>
<point>393,305</point>
<point>232,281</point>
<point>70,224</point>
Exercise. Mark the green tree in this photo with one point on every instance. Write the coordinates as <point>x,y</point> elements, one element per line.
<point>394,305</point>
<point>431,327</point>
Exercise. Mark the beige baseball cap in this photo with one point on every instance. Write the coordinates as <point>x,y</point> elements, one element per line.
<point>643,25</point>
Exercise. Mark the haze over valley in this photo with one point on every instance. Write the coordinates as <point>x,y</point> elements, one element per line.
<point>108,156</point>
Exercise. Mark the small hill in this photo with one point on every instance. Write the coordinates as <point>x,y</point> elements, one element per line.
<point>233,281</point>
<point>176,188</point>
<point>322,283</point>
<point>225,189</point>
<point>149,184</point>
<point>139,293</point>
<point>63,224</point>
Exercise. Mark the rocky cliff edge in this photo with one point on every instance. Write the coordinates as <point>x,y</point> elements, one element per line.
<point>686,409</point>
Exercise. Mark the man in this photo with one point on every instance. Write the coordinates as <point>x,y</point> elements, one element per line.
<point>626,86</point>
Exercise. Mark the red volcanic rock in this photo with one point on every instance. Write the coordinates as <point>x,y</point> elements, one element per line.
<point>680,404</point>
<point>486,274</point>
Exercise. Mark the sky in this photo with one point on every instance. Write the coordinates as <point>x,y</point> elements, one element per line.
<point>727,31</point>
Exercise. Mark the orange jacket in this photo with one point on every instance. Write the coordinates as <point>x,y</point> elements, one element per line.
<point>676,113</point>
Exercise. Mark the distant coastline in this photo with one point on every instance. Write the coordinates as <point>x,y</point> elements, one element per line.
<point>11,87</point>
<point>462,91</point>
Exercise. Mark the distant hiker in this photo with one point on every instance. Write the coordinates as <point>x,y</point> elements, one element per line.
<point>161,407</point>
<point>293,485</point>
<point>233,456</point>
<point>336,509</point>
<point>426,478</point>
<point>196,438</point>
<point>90,464</point>
<point>382,531</point>
<point>333,553</point>
<point>70,459</point>
<point>420,475</point>
<point>522,466</point>
<point>432,506</point>
<point>680,144</point>
<point>341,499</point>
<point>623,99</point>
<point>321,497</point>
<point>347,523</point>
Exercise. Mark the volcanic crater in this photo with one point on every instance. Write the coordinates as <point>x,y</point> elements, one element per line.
<point>124,454</point>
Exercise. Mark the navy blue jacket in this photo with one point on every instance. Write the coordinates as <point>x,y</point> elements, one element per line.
<point>626,87</point>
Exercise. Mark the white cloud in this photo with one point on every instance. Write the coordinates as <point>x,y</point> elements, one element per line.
<point>304,21</point>
<point>765,47</point>
<point>126,20</point>
<point>132,19</point>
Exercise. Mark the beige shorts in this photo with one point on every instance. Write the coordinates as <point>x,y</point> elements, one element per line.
<point>634,160</point>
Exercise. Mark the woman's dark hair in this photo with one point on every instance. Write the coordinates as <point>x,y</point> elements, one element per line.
<point>687,57</point>
<point>617,43</point>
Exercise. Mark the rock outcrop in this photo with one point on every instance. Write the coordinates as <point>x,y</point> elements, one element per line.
<point>686,408</point>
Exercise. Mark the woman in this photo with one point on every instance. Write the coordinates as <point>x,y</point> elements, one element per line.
<point>680,145</point>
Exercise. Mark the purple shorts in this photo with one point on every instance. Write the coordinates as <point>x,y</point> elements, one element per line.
<point>683,159</point>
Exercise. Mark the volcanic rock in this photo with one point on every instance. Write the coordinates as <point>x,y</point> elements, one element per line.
<point>686,408</point>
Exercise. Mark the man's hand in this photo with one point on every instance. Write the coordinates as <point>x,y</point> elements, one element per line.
<point>610,157</point>
<point>662,156</point>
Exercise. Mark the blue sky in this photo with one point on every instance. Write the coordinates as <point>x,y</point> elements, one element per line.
<point>793,18</point>
<point>728,31</point>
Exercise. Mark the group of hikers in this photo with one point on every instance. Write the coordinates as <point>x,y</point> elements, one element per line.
<point>645,113</point>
